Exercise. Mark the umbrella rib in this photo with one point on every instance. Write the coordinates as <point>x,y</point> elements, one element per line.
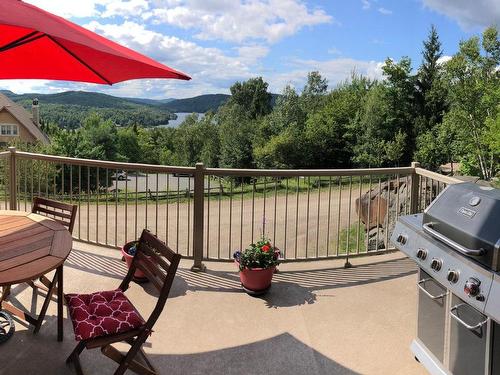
<point>81,61</point>
<point>21,41</point>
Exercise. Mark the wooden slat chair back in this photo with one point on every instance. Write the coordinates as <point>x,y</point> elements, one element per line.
<point>159,263</point>
<point>61,212</point>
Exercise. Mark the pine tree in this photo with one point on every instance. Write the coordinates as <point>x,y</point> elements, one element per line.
<point>431,93</point>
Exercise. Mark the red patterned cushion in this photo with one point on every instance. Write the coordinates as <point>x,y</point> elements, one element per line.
<point>101,313</point>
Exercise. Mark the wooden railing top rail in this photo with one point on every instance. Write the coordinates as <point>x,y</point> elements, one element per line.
<point>437,176</point>
<point>234,172</point>
<point>306,172</point>
<point>106,164</point>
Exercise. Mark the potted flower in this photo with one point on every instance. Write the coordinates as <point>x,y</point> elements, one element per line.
<point>128,253</point>
<point>257,264</point>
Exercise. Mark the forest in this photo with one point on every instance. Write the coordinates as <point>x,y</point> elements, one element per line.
<point>441,111</point>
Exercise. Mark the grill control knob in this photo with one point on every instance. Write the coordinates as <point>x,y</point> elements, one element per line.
<point>471,287</point>
<point>402,239</point>
<point>453,276</point>
<point>436,264</point>
<point>421,254</point>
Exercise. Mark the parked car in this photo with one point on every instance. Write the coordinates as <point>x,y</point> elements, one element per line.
<point>121,176</point>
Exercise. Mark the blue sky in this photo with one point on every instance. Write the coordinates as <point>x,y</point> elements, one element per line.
<point>218,42</point>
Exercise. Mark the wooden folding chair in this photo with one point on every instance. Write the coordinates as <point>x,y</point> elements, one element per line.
<point>64,214</point>
<point>91,312</point>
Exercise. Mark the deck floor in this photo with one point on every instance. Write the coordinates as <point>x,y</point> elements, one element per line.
<point>318,318</point>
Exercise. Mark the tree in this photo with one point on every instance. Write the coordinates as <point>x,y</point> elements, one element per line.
<point>252,96</point>
<point>314,90</point>
<point>475,96</point>
<point>278,141</point>
<point>431,92</point>
<point>236,137</point>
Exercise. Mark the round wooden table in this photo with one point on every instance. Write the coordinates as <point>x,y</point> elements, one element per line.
<point>31,246</point>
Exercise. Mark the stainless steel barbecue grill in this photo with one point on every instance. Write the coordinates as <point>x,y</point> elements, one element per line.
<point>456,244</point>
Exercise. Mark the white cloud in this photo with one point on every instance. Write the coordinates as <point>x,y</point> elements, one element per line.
<point>384,11</point>
<point>239,21</point>
<point>366,4</point>
<point>444,59</point>
<point>201,63</point>
<point>68,9</point>
<point>468,13</point>
<point>125,9</point>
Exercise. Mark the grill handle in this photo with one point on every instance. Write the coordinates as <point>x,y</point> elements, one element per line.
<point>420,285</point>
<point>468,326</point>
<point>462,249</point>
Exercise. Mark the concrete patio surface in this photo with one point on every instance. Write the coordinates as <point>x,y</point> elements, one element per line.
<point>318,318</point>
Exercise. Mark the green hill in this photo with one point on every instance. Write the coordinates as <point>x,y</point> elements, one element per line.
<point>199,104</point>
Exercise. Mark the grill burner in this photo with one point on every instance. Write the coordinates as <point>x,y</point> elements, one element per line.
<point>456,244</point>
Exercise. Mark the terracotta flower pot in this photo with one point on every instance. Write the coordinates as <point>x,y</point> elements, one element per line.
<point>138,274</point>
<point>256,281</point>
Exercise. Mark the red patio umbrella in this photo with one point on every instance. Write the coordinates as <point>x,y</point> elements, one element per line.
<point>38,44</point>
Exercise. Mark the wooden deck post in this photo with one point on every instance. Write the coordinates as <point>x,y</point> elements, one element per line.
<point>12,179</point>
<point>415,181</point>
<point>199,212</point>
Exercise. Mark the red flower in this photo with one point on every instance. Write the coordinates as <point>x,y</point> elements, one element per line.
<point>266,248</point>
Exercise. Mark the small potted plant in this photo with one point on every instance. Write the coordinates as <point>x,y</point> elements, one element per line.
<point>257,264</point>
<point>128,252</point>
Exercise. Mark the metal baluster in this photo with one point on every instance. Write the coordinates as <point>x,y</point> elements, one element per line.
<point>146,208</point>
<point>98,191</point>
<point>317,219</point>
<point>358,230</point>
<point>297,218</point>
<point>209,178</point>
<point>241,212</point>
<point>253,210</point>
<point>116,208</point>
<point>230,216</point>
<point>88,203</point>
<point>275,206</point>
<point>79,201</point>
<point>126,207</point>
<point>107,211</point>
<point>338,215</point>
<point>286,219</point>
<point>264,208</point>
<point>307,213</point>
<point>328,215</point>
<point>177,224</point>
<point>189,215</point>
<point>368,224</point>
<point>378,212</point>
<point>219,213</point>
<point>156,206</point>
<point>136,202</point>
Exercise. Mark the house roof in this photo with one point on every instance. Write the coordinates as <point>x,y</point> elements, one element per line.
<point>23,117</point>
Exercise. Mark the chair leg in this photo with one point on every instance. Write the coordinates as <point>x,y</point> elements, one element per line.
<point>45,305</point>
<point>74,357</point>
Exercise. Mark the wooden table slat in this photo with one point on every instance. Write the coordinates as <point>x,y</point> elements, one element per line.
<point>24,258</point>
<point>26,245</point>
<point>29,271</point>
<point>25,231</point>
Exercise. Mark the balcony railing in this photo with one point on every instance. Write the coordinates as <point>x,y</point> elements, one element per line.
<point>207,213</point>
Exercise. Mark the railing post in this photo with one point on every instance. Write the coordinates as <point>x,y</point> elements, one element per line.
<point>199,206</point>
<point>12,179</point>
<point>415,181</point>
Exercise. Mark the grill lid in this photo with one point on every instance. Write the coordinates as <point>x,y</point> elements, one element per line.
<point>466,217</point>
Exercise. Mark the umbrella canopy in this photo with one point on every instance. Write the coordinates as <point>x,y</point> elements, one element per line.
<point>37,44</point>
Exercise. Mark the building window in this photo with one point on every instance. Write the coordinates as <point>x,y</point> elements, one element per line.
<point>9,130</point>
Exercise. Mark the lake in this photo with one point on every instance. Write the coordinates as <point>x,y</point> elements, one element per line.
<point>181,116</point>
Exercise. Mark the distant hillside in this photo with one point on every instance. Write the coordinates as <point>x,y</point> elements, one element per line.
<point>68,109</point>
<point>199,104</point>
